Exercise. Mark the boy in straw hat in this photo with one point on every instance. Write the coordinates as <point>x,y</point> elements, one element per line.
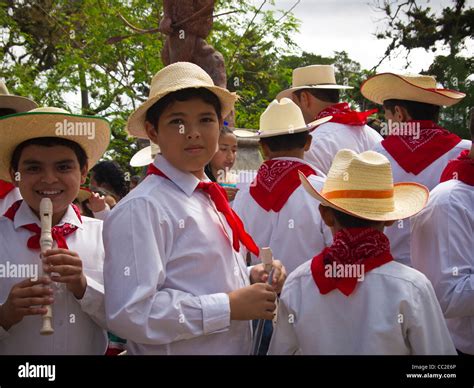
<point>44,164</point>
<point>175,278</point>
<point>352,298</point>
<point>275,208</point>
<point>442,246</point>
<point>10,104</point>
<point>315,91</point>
<point>416,146</point>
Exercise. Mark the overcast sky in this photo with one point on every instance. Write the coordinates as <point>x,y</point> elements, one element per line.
<point>328,26</point>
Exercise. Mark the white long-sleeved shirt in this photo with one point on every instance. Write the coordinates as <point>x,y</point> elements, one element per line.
<point>329,138</point>
<point>296,233</point>
<point>9,200</point>
<point>75,322</point>
<point>168,268</point>
<point>393,311</point>
<point>443,249</point>
<point>399,232</point>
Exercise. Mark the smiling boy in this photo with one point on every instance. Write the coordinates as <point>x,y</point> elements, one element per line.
<point>175,278</point>
<point>43,165</point>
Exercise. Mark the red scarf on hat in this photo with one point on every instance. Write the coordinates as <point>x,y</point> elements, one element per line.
<point>59,233</point>
<point>220,199</point>
<point>276,180</point>
<point>353,252</point>
<point>415,154</point>
<point>461,168</point>
<point>342,114</point>
<point>5,188</point>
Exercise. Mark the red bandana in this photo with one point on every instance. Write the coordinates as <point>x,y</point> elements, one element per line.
<point>58,232</point>
<point>353,253</point>
<point>5,188</point>
<point>276,180</point>
<point>415,154</point>
<point>219,197</point>
<point>461,168</point>
<point>342,114</point>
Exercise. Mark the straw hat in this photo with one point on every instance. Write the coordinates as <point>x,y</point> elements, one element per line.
<point>282,117</point>
<point>145,156</point>
<point>174,77</point>
<point>312,77</point>
<point>17,103</point>
<point>420,88</point>
<point>362,185</point>
<point>84,194</point>
<point>92,133</point>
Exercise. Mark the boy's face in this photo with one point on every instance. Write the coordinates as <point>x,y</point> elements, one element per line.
<point>188,133</point>
<point>52,172</point>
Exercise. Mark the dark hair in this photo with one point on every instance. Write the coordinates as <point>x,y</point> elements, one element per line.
<point>225,130</point>
<point>326,95</point>
<point>471,124</point>
<point>135,179</point>
<point>111,173</point>
<point>156,110</point>
<point>416,110</point>
<point>6,111</point>
<point>348,221</point>
<point>286,142</point>
<point>49,142</point>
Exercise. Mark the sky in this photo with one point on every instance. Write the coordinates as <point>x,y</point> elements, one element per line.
<point>350,25</point>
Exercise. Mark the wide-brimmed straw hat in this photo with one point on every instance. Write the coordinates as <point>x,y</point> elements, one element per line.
<point>312,77</point>
<point>174,77</point>
<point>362,185</point>
<point>17,103</point>
<point>145,156</point>
<point>282,117</point>
<point>84,194</point>
<point>92,133</point>
<point>420,88</point>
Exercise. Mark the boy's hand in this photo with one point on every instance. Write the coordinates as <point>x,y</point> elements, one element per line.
<point>68,267</point>
<point>25,298</point>
<point>253,302</point>
<point>259,275</point>
<point>96,203</point>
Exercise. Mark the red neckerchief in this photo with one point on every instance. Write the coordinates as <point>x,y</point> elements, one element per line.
<point>353,249</point>
<point>461,169</point>
<point>220,199</point>
<point>5,188</point>
<point>342,114</point>
<point>276,180</point>
<point>414,155</point>
<point>58,233</point>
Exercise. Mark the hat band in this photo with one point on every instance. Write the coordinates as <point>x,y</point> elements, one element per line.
<point>375,194</point>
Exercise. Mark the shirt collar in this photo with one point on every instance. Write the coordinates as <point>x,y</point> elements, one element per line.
<point>186,181</point>
<point>25,216</point>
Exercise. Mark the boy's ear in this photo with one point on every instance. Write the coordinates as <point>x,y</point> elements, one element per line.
<point>13,176</point>
<point>84,171</point>
<point>401,114</point>
<point>309,139</point>
<point>151,132</point>
<point>327,215</point>
<point>265,150</point>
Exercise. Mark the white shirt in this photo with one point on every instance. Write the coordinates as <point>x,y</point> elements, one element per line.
<point>443,249</point>
<point>168,268</point>
<point>329,138</point>
<point>9,200</point>
<point>74,321</point>
<point>399,232</point>
<point>392,311</point>
<point>296,233</point>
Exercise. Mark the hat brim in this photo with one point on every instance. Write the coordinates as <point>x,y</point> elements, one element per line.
<point>17,103</point>
<point>387,86</point>
<point>409,199</point>
<point>249,134</point>
<point>20,127</point>
<point>288,92</point>
<point>142,158</point>
<point>136,121</point>
<point>84,194</point>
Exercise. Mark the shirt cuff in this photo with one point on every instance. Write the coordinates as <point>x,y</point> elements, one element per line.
<point>102,215</point>
<point>216,312</point>
<point>94,290</point>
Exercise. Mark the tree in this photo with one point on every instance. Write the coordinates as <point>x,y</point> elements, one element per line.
<point>410,25</point>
